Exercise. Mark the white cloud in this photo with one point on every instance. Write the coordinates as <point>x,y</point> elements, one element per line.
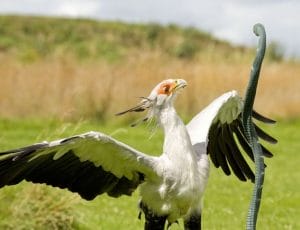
<point>231,19</point>
<point>78,8</point>
<point>70,8</point>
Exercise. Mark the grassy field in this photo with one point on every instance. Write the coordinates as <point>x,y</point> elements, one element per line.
<point>28,206</point>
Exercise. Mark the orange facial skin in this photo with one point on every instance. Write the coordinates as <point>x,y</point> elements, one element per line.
<point>166,88</point>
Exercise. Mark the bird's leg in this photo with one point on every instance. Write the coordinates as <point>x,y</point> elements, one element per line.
<point>193,222</point>
<point>152,221</point>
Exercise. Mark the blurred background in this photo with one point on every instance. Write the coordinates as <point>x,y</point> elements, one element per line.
<point>69,66</point>
<point>92,58</point>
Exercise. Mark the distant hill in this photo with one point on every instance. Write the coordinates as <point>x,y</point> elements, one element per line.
<point>31,38</point>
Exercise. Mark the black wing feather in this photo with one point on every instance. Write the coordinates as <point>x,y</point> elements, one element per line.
<point>266,152</point>
<point>228,155</point>
<point>234,149</point>
<point>223,148</point>
<point>68,172</point>
<point>238,131</point>
<point>221,156</point>
<point>263,135</point>
<point>212,147</point>
<point>262,118</point>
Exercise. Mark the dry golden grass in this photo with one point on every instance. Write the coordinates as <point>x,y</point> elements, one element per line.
<point>67,88</point>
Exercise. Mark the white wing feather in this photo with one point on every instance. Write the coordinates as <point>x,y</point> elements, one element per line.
<point>225,109</point>
<point>102,150</point>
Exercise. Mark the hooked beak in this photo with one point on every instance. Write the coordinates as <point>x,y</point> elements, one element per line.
<point>179,84</point>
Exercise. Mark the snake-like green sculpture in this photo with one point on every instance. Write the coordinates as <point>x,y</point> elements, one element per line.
<point>251,134</point>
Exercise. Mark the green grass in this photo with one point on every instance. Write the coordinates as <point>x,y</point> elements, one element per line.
<point>28,206</point>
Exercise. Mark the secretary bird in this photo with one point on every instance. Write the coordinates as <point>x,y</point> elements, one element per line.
<point>171,185</point>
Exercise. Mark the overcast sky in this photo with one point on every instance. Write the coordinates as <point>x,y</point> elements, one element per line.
<point>227,19</point>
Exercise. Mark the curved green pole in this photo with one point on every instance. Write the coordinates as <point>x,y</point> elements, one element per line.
<point>251,135</point>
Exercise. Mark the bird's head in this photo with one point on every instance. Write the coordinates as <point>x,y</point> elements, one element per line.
<point>160,97</point>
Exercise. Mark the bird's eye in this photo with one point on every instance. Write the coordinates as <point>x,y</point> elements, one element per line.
<point>166,88</point>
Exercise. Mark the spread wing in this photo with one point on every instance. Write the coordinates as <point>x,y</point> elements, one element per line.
<point>89,164</point>
<point>218,131</point>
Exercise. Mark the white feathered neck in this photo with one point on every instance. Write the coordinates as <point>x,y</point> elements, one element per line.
<point>177,142</point>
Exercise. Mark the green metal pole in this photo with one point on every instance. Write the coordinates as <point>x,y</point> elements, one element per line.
<point>251,135</point>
